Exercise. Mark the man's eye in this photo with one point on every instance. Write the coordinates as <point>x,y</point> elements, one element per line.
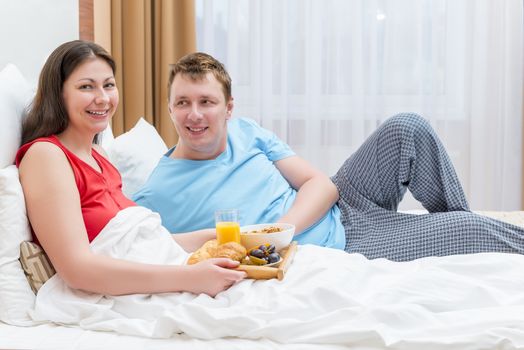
<point>181,103</point>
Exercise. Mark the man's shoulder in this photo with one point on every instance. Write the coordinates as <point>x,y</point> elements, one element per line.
<point>243,122</point>
<point>245,126</point>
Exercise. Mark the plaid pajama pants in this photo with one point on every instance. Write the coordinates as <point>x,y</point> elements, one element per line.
<point>405,153</point>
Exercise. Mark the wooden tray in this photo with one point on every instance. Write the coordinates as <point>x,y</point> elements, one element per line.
<point>278,271</point>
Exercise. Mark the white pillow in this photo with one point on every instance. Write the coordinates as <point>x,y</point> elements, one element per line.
<point>15,96</point>
<point>16,296</point>
<point>135,154</point>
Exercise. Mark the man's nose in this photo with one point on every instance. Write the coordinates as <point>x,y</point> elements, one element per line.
<point>195,112</point>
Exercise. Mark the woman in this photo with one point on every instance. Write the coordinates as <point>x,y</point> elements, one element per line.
<point>72,191</point>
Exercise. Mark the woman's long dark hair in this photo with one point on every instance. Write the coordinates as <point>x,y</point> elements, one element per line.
<point>47,114</point>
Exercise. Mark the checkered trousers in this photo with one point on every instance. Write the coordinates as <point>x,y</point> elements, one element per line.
<point>405,153</point>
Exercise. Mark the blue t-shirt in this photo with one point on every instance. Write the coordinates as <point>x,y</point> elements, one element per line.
<point>186,193</point>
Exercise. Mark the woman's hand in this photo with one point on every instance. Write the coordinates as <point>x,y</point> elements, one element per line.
<point>213,276</point>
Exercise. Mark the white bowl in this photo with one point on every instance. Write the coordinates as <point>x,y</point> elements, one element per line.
<point>279,239</point>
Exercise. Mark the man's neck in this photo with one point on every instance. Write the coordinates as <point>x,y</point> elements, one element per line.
<point>181,152</point>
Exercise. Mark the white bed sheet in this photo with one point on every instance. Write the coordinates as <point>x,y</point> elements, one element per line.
<point>458,302</point>
<point>49,336</point>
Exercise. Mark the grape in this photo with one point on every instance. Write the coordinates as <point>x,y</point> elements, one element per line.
<point>257,253</point>
<point>273,257</point>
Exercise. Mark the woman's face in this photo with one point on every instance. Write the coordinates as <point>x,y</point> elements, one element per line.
<point>90,96</point>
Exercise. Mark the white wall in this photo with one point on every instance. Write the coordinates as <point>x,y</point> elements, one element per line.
<point>31,29</point>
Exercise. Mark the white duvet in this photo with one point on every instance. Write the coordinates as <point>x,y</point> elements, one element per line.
<point>327,297</point>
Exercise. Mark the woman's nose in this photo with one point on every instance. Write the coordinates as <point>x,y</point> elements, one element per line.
<point>102,96</point>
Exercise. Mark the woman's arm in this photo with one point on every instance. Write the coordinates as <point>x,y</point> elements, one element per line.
<point>316,192</point>
<point>53,206</point>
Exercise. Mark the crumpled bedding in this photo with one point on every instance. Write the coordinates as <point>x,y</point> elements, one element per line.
<point>327,297</point>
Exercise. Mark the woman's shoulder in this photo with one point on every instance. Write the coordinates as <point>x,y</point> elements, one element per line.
<point>44,149</point>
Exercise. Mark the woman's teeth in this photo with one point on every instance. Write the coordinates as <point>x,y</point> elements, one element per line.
<point>97,112</point>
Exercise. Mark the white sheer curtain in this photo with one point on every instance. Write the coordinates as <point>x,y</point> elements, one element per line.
<point>323,74</point>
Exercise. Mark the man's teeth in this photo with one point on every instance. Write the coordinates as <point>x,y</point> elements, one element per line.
<point>97,112</point>
<point>196,129</point>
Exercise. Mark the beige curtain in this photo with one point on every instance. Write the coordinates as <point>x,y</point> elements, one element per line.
<point>146,36</point>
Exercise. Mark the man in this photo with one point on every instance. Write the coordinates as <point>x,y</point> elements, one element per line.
<point>249,169</point>
<point>222,163</point>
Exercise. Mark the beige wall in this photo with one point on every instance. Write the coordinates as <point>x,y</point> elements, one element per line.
<point>31,29</point>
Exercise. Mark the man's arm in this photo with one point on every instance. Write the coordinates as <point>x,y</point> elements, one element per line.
<point>191,241</point>
<point>316,192</point>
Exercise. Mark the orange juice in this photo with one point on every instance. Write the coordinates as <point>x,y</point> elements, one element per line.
<point>228,231</point>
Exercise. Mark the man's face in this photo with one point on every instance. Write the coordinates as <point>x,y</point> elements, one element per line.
<point>199,112</point>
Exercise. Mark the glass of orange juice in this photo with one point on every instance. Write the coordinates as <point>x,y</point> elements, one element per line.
<point>227,226</point>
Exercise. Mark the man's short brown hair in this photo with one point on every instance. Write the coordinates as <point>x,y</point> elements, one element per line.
<point>196,66</point>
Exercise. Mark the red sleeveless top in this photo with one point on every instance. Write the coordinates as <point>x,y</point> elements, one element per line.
<point>101,196</point>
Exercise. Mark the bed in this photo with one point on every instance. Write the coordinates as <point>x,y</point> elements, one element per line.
<point>328,299</point>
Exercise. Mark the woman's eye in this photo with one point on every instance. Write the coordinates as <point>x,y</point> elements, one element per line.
<point>110,85</point>
<point>84,87</point>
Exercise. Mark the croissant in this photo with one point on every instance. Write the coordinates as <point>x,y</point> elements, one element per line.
<point>211,249</point>
<point>207,251</point>
<point>231,250</point>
